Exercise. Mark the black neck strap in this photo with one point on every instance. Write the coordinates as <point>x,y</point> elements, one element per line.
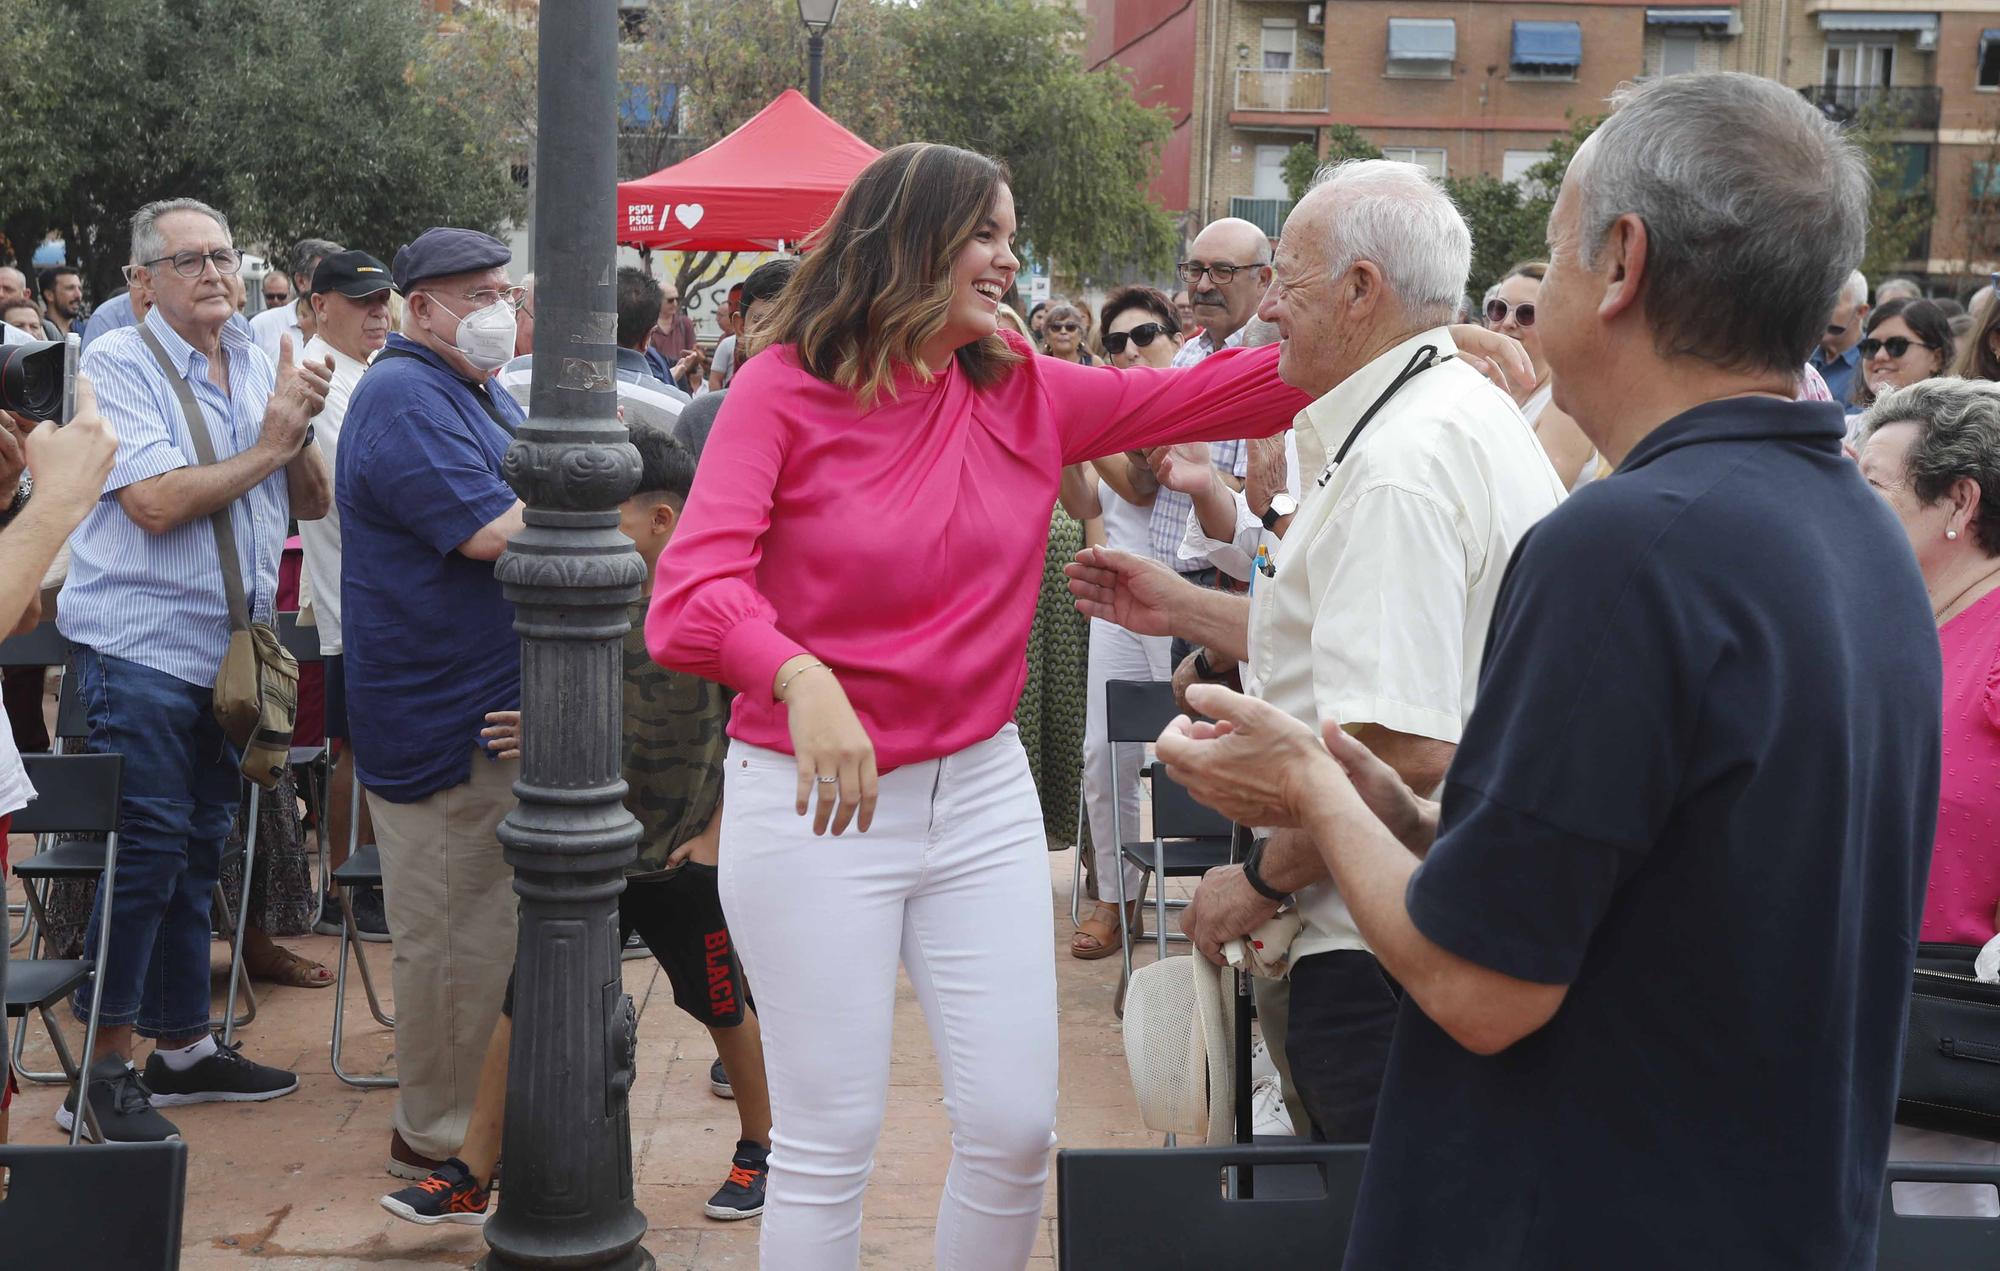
<point>1422,360</point>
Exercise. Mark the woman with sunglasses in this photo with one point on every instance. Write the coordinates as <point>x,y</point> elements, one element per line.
<point>1063,334</point>
<point>1510,310</point>
<point>860,559</point>
<point>1906,341</point>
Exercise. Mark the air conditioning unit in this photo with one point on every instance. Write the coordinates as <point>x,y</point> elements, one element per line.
<point>1927,41</point>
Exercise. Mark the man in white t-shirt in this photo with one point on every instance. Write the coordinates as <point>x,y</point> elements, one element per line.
<point>348,295</point>
<point>296,318</point>
<point>1418,478</point>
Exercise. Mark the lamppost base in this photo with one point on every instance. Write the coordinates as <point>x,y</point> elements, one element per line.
<point>636,1259</point>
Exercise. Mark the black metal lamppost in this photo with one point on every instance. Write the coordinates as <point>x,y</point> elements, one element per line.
<point>818,15</point>
<point>567,1199</point>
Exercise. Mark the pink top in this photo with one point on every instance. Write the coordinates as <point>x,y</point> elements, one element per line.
<point>1965,865</point>
<point>904,546</point>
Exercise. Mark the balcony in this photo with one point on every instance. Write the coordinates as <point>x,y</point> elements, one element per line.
<point>1914,108</point>
<point>1266,214</point>
<point>1272,94</point>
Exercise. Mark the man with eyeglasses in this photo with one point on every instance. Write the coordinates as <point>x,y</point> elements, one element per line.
<point>145,607</point>
<point>277,289</point>
<point>429,649</point>
<point>1837,358</point>
<point>296,318</point>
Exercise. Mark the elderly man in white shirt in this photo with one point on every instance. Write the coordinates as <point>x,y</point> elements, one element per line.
<point>294,318</point>
<point>1419,476</point>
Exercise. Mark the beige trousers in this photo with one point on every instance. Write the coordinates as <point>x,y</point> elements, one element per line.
<point>449,895</point>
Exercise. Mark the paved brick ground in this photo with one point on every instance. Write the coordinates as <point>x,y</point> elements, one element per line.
<point>293,1184</point>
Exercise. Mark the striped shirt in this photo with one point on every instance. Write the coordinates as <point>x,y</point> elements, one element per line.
<point>157,599</point>
<point>1168,524</point>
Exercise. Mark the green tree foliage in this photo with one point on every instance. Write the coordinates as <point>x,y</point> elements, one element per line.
<point>1303,161</point>
<point>292,117</point>
<point>1899,202</point>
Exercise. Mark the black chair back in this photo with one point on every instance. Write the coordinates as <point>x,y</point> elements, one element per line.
<point>44,646</point>
<point>113,1205</point>
<point>1922,1242</point>
<point>71,721</point>
<point>1138,710</point>
<point>74,794</point>
<point>1176,815</point>
<point>1166,1208</point>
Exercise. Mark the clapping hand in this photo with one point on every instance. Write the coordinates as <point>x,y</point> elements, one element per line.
<point>1185,468</point>
<point>1251,763</point>
<point>1132,591</point>
<point>71,463</point>
<point>298,395</point>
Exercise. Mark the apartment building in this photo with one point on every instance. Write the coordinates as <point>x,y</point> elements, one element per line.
<point>1466,87</point>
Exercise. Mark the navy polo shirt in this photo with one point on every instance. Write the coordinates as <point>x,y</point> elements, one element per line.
<point>430,643</point>
<point>1698,788</point>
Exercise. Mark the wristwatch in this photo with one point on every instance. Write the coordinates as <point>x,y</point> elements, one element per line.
<point>1282,506</point>
<point>1206,671</point>
<point>1253,874</point>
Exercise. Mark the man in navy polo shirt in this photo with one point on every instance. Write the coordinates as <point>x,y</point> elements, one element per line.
<point>1656,944</point>
<point>430,649</point>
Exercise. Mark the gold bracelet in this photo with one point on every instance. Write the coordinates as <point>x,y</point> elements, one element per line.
<point>787,683</point>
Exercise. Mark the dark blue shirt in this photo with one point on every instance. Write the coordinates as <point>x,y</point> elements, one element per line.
<point>430,643</point>
<point>1838,372</point>
<point>1698,788</point>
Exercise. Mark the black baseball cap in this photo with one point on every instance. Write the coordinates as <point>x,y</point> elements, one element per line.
<point>352,274</point>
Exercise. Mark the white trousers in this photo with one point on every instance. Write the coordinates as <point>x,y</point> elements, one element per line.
<point>952,880</point>
<point>1116,654</point>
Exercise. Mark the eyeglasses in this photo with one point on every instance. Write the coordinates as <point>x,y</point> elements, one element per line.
<point>512,297</point>
<point>1142,336</point>
<point>1498,309</point>
<point>272,299</point>
<point>1220,272</point>
<point>1066,328</point>
<point>1895,346</point>
<point>190,264</point>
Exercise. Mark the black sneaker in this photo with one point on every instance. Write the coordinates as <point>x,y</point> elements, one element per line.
<point>448,1195</point>
<point>120,1104</point>
<point>371,921</point>
<point>223,1076</point>
<point>635,947</point>
<point>718,1081</point>
<point>743,1195</point>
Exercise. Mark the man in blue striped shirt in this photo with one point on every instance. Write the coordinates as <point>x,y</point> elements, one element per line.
<point>145,607</point>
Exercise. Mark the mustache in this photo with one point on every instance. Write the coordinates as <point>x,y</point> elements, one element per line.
<point>1206,298</point>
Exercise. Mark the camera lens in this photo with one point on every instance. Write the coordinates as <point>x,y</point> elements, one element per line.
<point>31,378</point>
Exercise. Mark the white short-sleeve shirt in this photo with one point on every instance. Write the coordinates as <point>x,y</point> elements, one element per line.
<point>321,538</point>
<point>1378,611</point>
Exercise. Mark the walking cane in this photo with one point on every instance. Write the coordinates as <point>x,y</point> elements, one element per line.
<point>1246,1001</point>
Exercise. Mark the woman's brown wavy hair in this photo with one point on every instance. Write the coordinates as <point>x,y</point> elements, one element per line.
<point>875,285</point>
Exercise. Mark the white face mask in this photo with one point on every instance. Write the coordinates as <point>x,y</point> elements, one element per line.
<point>485,336</point>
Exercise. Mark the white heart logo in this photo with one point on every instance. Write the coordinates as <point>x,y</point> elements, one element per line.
<point>688,214</point>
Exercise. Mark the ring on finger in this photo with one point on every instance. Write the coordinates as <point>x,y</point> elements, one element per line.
<point>828,781</point>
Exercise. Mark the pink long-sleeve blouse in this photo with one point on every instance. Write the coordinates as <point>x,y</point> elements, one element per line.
<point>903,545</point>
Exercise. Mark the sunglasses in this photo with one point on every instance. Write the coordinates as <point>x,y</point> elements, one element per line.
<point>1067,328</point>
<point>1896,346</point>
<point>1498,309</point>
<point>1141,336</point>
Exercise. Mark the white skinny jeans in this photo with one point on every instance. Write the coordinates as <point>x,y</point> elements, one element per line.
<point>1116,654</point>
<point>952,880</point>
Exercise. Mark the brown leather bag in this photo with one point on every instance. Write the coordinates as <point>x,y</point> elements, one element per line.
<point>257,690</point>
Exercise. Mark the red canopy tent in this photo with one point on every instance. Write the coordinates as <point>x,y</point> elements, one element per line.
<point>766,185</point>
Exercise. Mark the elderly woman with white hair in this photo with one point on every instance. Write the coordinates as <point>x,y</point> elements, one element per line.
<point>1932,450</point>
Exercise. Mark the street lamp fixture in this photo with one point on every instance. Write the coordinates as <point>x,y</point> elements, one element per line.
<point>817,15</point>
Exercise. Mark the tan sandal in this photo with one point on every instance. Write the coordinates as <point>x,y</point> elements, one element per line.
<point>282,966</point>
<point>1100,930</point>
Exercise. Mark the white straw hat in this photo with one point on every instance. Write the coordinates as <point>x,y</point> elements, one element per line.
<point>1180,1014</point>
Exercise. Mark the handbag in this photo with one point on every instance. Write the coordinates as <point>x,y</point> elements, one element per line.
<point>1951,1052</point>
<point>256,697</point>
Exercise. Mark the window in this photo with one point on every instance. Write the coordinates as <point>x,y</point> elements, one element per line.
<point>1985,181</point>
<point>1989,58</point>
<point>1514,165</point>
<point>1546,50</point>
<point>1855,63</point>
<point>1281,43</point>
<point>1680,53</point>
<point>1422,48</point>
<point>1430,159</point>
<point>1269,182</point>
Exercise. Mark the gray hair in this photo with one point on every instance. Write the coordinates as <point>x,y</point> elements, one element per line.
<point>308,252</point>
<point>1958,438</point>
<point>1745,257</point>
<point>1396,216</point>
<point>1898,289</point>
<point>1257,333</point>
<point>1856,290</point>
<point>146,241</point>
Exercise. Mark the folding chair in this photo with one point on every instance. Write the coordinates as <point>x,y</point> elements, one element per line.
<point>1170,1208</point>
<point>313,765</point>
<point>1922,1242</point>
<point>44,647</point>
<point>75,794</point>
<point>362,868</point>
<point>1188,839</point>
<point>115,1206</point>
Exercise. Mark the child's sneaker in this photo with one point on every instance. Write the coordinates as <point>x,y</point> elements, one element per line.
<point>743,1195</point>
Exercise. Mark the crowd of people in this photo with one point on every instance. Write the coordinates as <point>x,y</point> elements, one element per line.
<point>1530,631</point>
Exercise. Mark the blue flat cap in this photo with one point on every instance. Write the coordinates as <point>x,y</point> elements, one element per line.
<point>441,251</point>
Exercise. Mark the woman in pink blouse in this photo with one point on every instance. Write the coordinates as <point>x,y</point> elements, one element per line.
<point>1933,451</point>
<point>860,559</point>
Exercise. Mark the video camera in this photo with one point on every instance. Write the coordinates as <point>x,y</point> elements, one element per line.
<point>38,379</point>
